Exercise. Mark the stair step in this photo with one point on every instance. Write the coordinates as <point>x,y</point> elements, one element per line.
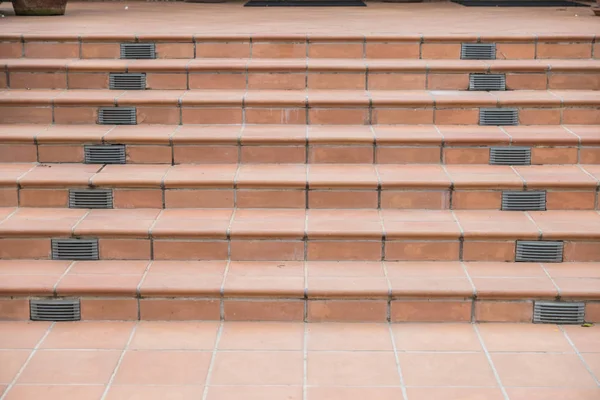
<point>298,234</point>
<point>288,290</point>
<point>315,107</point>
<point>301,186</point>
<point>300,73</point>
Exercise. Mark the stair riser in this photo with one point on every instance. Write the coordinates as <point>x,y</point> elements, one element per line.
<point>272,197</point>
<point>357,249</point>
<point>309,310</point>
<point>352,47</point>
<point>282,114</point>
<point>581,80</point>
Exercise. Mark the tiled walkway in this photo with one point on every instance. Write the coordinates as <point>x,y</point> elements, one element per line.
<point>277,361</point>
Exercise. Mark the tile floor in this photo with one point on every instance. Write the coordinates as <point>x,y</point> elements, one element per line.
<point>293,361</point>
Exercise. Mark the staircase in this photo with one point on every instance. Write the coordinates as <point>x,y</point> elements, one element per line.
<point>300,178</point>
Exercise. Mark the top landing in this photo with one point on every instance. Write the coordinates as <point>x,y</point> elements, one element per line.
<point>168,18</point>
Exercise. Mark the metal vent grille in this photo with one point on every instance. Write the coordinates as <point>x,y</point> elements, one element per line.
<point>554,312</point>
<point>487,82</point>
<point>104,154</point>
<point>524,201</point>
<point>127,81</point>
<point>90,198</point>
<point>498,116</point>
<point>539,251</point>
<point>75,249</point>
<point>510,155</point>
<point>478,51</point>
<point>54,310</point>
<point>117,116</point>
<point>137,51</point>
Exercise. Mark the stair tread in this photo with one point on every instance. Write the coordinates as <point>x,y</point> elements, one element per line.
<point>310,279</point>
<point>298,224</point>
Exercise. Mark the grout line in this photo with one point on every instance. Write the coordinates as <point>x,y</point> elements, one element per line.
<point>489,358</point>
<point>79,221</point>
<point>587,367</point>
<point>558,294</point>
<point>541,234</point>
<point>520,177</point>
<point>461,239</point>
<point>114,374</point>
<point>67,270</point>
<point>222,291</point>
<point>389,284</point>
<point>212,361</point>
<point>305,362</point>
<point>579,142</point>
<point>18,375</point>
<point>474,297</point>
<point>398,367</point>
<point>138,289</point>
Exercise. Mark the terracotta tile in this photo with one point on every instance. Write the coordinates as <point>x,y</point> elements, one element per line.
<point>581,251</point>
<point>396,81</point>
<point>18,153</point>
<point>430,287</point>
<point>479,177</point>
<point>56,50</point>
<point>22,335</point>
<point>13,361</point>
<point>340,393</point>
<point>275,80</point>
<point>255,392</point>
<point>100,50</point>
<point>335,50</point>
<point>402,116</point>
<point>347,287</point>
<point>538,116</point>
<point>189,250</point>
<point>137,198</point>
<point>348,337</point>
<point>55,392</point>
<point>564,50</point>
<point>163,367</point>
<point>570,200</point>
<point>271,176</point>
<point>352,369</point>
<point>325,224</point>
<point>549,176</point>
<point>211,115</point>
<point>263,286</point>
<point>263,310</point>
<point>552,393</point>
<point>109,309</point>
<point>435,337</point>
<point>512,51</point>
<point>592,312</point>
<point>130,176</point>
<point>410,250</point>
<point>139,392</point>
<point>223,49</point>
<point>59,175</point>
<point>70,367</point>
<point>12,49</point>
<point>207,80</point>
<point>200,176</point>
<point>454,81</point>
<point>119,223</point>
<point>469,155</point>
<point>514,288</point>
<point>192,223</point>
<point>88,335</point>
<point>561,224</point>
<point>440,51</point>
<point>261,336</point>
<point>473,135</point>
<point>503,311</point>
<point>261,198</point>
<point>524,338</point>
<point>38,80</point>
<point>273,154</point>
<point>37,115</point>
<point>492,224</point>
<point>178,310</point>
<point>439,369</point>
<point>268,224</point>
<point>413,177</point>
<point>337,177</point>
<point>257,368</point>
<point>542,370</point>
<point>420,225</point>
<point>499,269</point>
<point>347,311</point>
<point>561,155</point>
<point>527,81</point>
<point>41,222</point>
<point>197,284</point>
<point>342,199</point>
<point>127,249</point>
<point>574,81</point>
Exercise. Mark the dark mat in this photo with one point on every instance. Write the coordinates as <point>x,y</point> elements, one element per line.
<point>305,3</point>
<point>519,3</point>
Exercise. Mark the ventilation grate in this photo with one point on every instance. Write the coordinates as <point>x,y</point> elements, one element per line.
<point>104,154</point>
<point>137,51</point>
<point>524,201</point>
<point>539,251</point>
<point>498,116</point>
<point>554,312</point>
<point>117,116</point>
<point>90,198</point>
<point>487,82</point>
<point>478,51</point>
<point>127,81</point>
<point>75,249</point>
<point>510,155</point>
<point>54,310</point>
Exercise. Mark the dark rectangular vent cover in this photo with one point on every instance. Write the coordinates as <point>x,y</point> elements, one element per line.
<point>510,155</point>
<point>498,116</point>
<point>524,201</point>
<point>487,82</point>
<point>90,198</point>
<point>137,51</point>
<point>104,154</point>
<point>127,81</point>
<point>117,116</point>
<point>539,251</point>
<point>74,249</point>
<point>478,51</point>
<point>54,310</point>
<point>554,312</point>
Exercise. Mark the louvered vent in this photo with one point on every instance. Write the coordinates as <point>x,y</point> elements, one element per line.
<point>74,249</point>
<point>512,155</point>
<point>104,154</point>
<point>498,116</point>
<point>524,201</point>
<point>478,51</point>
<point>117,116</point>
<point>54,310</point>
<point>90,198</point>
<point>137,51</point>
<point>487,82</point>
<point>127,81</point>
<point>554,312</point>
<point>539,251</point>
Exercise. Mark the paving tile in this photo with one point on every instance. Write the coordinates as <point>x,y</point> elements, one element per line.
<point>496,225</point>
<point>346,368</point>
<point>344,269</point>
<point>144,367</point>
<point>88,335</point>
<point>175,335</point>
<point>12,362</point>
<point>354,393</point>
<point>585,339</point>
<point>183,278</point>
<point>524,338</point>
<point>55,392</point>
<point>552,393</point>
<point>554,176</point>
<point>476,177</point>
<point>117,223</point>
<point>592,360</point>
<point>567,225</point>
<point>348,336</point>
<point>333,224</point>
<point>338,176</point>
<point>435,337</point>
<point>440,369</point>
<point>542,370</point>
<point>413,176</point>
<point>21,334</point>
<point>200,176</point>
<point>254,392</point>
<point>268,224</point>
<point>266,176</point>
<point>262,336</point>
<point>41,222</point>
<point>192,223</point>
<point>154,392</point>
<point>70,367</point>
<point>450,393</point>
<point>417,224</point>
<point>258,368</point>
<point>502,269</point>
